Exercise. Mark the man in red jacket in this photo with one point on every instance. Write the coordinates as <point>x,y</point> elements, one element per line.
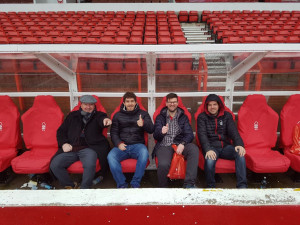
<point>216,131</point>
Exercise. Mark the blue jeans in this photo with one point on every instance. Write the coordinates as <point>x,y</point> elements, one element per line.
<point>135,151</point>
<point>61,162</point>
<point>227,152</point>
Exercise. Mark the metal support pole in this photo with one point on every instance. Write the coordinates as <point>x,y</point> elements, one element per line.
<point>64,72</point>
<point>238,71</point>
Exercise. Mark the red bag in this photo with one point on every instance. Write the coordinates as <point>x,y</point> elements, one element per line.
<point>295,149</point>
<point>177,168</point>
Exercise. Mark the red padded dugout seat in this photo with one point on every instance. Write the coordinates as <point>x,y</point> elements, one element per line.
<point>40,124</point>
<point>10,134</point>
<point>222,165</point>
<point>77,167</point>
<point>129,165</point>
<point>289,117</point>
<point>257,125</point>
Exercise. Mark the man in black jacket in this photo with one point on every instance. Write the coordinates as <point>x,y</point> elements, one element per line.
<point>80,138</point>
<point>127,134</point>
<point>172,127</point>
<point>216,131</point>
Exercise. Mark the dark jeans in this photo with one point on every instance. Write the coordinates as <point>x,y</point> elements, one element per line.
<point>227,152</point>
<point>164,156</point>
<point>61,162</point>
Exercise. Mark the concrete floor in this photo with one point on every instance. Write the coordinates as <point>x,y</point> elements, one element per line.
<point>284,180</point>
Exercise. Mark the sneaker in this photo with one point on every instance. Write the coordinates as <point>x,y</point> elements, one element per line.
<point>135,185</point>
<point>189,186</point>
<point>124,186</point>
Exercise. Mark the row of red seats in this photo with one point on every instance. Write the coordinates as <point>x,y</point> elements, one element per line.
<point>261,39</point>
<point>257,127</point>
<point>256,33</point>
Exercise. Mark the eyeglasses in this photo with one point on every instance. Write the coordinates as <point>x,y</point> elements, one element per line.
<point>172,103</point>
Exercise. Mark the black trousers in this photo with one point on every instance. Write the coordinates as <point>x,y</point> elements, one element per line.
<point>164,156</point>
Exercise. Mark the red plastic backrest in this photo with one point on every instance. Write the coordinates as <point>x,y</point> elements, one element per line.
<point>10,134</point>
<point>41,122</point>
<point>201,110</point>
<point>180,105</point>
<point>139,101</point>
<point>289,117</point>
<point>257,122</point>
<point>99,107</point>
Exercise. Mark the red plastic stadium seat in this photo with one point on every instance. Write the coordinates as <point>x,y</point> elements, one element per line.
<point>257,125</point>
<point>135,40</point>
<point>222,165</point>
<point>278,39</point>
<point>10,134</point>
<point>289,117</point>
<point>46,40</point>
<point>77,166</point>
<point>150,40</point>
<point>121,40</point>
<point>183,16</point>
<point>60,40</point>
<point>193,17</point>
<point>106,40</point>
<point>179,40</point>
<point>164,40</point>
<point>40,124</point>
<point>293,39</point>
<point>16,40</point>
<point>166,62</point>
<point>129,165</point>
<point>4,40</point>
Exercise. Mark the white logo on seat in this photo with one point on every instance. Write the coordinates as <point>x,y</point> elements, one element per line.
<point>255,125</point>
<point>1,127</point>
<point>43,126</point>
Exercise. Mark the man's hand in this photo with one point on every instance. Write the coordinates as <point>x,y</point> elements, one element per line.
<point>140,122</point>
<point>180,149</point>
<point>241,150</point>
<point>165,129</point>
<point>67,147</point>
<point>211,155</point>
<point>106,122</point>
<point>122,146</point>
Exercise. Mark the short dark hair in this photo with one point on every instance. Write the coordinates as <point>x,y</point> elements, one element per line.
<point>129,94</point>
<point>171,95</point>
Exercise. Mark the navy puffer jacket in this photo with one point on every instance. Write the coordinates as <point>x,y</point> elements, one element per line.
<point>217,131</point>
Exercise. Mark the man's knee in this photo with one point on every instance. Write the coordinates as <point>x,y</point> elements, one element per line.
<point>210,164</point>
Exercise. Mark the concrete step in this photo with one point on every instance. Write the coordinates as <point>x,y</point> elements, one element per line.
<point>199,42</point>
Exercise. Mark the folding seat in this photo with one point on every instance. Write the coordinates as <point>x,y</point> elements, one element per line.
<point>46,40</point>
<point>222,165</point>
<point>264,39</point>
<point>289,118</point>
<point>249,39</point>
<point>20,29</point>
<point>177,34</point>
<point>76,40</point>
<point>242,33</point>
<point>16,40</point>
<point>106,40</point>
<point>163,40</point>
<point>40,34</point>
<point>136,40</point>
<point>54,33</point>
<point>270,33</point>
<point>257,125</point>
<point>4,40</point>
<point>40,124</point>
<point>185,63</point>
<point>68,34</point>
<point>121,40</point>
<point>60,40</point>
<point>109,34</point>
<point>77,167</point>
<point>193,17</point>
<point>293,39</point>
<point>278,39</point>
<point>232,40</point>
<point>12,34</point>
<point>175,28</point>
<point>26,34</point>
<point>129,165</point>
<point>150,40</point>
<point>179,40</point>
<point>10,134</point>
<point>150,34</point>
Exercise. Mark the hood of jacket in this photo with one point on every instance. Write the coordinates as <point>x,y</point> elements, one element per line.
<point>213,97</point>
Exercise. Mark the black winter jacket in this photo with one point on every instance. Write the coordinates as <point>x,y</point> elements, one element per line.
<point>70,130</point>
<point>186,132</point>
<point>217,131</point>
<point>124,128</point>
